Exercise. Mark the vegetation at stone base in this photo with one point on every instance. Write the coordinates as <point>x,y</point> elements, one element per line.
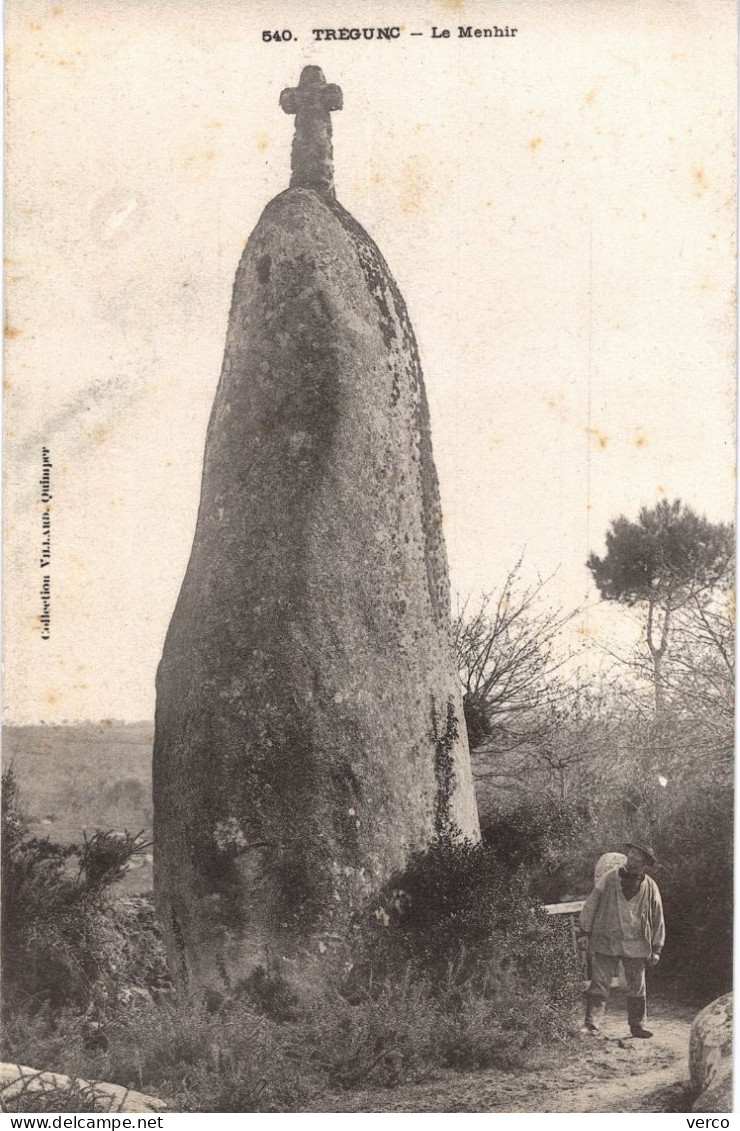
<point>235,1059</point>
<point>455,969</point>
<point>462,917</point>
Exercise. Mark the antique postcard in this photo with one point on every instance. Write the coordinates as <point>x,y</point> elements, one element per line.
<point>369,449</point>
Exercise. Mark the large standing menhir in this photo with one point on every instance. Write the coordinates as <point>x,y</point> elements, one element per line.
<point>309,728</point>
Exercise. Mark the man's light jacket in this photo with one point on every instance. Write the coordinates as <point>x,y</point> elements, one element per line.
<point>631,928</point>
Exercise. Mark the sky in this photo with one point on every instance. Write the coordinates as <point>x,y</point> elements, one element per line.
<point>557,207</point>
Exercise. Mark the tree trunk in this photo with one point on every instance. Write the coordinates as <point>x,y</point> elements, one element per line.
<point>658,684</point>
<point>658,651</point>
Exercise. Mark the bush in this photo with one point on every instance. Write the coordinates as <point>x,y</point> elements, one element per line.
<point>227,1060</point>
<point>392,1034</point>
<point>58,943</point>
<point>460,922</point>
<point>694,842</point>
<point>538,838</point>
<point>196,1060</point>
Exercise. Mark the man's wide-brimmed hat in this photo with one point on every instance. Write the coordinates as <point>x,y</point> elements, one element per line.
<point>645,849</point>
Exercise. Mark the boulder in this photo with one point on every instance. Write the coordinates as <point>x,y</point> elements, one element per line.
<point>710,1056</point>
<point>17,1081</point>
<point>309,727</point>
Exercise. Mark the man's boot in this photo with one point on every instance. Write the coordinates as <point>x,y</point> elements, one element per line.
<point>595,1007</point>
<point>637,1016</point>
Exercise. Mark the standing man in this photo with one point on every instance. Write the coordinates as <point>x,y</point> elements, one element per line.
<point>622,919</point>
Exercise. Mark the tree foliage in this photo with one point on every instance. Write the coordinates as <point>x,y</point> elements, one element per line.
<point>670,554</point>
<point>669,559</point>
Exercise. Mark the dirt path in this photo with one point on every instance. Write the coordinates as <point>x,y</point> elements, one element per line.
<point>609,1073</point>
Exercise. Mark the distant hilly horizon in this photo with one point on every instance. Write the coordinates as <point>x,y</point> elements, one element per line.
<point>76,777</point>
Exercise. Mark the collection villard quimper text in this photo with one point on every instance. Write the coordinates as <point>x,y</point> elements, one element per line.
<point>45,559</point>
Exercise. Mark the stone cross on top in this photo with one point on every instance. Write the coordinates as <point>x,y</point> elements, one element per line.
<point>311,102</point>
